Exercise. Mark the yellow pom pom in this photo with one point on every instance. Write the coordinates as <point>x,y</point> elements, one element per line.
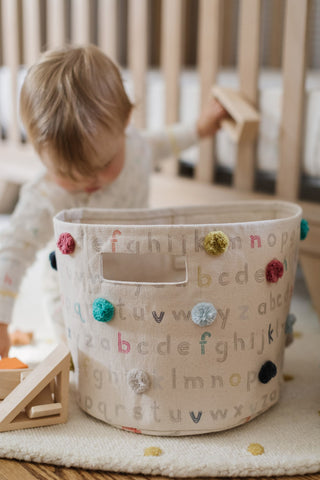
<point>215,243</point>
<point>255,449</point>
<point>152,452</point>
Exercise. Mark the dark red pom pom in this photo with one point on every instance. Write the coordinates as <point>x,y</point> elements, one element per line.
<point>274,270</point>
<point>66,243</point>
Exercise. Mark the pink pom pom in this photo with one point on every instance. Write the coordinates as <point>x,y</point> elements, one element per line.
<point>66,243</point>
<point>274,270</point>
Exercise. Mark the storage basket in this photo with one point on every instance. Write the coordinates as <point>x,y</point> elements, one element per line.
<point>177,317</point>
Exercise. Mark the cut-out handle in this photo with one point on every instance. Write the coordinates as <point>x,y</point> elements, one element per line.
<point>151,268</point>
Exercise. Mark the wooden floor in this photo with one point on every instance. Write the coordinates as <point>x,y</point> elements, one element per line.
<point>14,470</point>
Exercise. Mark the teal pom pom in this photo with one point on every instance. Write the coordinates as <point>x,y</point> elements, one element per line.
<point>304,229</point>
<point>102,310</point>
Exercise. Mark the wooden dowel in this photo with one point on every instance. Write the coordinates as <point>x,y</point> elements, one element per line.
<point>138,56</point>
<point>10,32</point>
<point>80,22</point>
<point>56,23</point>
<point>294,68</point>
<point>171,54</point>
<point>172,17</point>
<point>209,55</point>
<point>248,67</point>
<point>31,31</point>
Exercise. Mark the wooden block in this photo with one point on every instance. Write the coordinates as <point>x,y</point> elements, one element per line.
<point>9,379</point>
<point>44,398</point>
<point>48,410</point>
<point>55,368</point>
<point>244,122</point>
<point>12,363</point>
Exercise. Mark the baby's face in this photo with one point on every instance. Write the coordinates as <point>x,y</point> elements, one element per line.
<point>107,164</point>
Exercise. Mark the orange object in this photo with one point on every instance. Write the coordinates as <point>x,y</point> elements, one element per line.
<point>11,364</point>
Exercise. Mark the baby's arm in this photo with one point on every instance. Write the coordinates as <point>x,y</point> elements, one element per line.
<point>175,138</point>
<point>210,118</point>
<point>30,229</point>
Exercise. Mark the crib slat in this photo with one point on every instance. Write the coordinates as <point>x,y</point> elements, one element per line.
<point>31,31</point>
<point>248,67</point>
<point>80,22</point>
<point>208,64</point>
<point>10,32</point>
<point>107,31</point>
<point>56,23</point>
<point>171,54</point>
<point>294,69</point>
<point>172,16</point>
<point>137,47</point>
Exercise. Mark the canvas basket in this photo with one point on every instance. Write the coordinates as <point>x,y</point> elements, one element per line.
<point>168,335</point>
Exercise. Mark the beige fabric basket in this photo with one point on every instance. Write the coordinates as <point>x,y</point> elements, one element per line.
<point>168,338</point>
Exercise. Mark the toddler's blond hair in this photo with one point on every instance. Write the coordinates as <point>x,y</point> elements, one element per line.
<point>67,96</point>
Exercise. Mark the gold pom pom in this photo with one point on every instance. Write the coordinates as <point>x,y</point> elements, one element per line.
<point>255,449</point>
<point>152,452</point>
<point>215,243</point>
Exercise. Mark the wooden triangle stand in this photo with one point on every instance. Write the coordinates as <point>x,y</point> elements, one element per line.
<point>41,396</point>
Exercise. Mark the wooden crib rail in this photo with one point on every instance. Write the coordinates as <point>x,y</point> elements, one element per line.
<point>103,27</point>
<point>209,46</point>
<point>56,23</point>
<point>294,72</point>
<point>248,68</point>
<point>10,49</point>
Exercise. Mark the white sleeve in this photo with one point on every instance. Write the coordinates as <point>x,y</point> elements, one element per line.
<point>30,229</point>
<point>170,141</point>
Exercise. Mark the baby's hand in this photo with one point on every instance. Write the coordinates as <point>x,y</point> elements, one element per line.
<point>4,340</point>
<point>210,118</point>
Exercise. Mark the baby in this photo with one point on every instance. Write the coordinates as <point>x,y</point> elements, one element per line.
<point>76,114</point>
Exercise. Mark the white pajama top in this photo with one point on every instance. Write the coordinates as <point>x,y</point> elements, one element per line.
<point>31,225</point>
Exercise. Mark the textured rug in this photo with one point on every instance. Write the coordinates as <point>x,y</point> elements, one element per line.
<point>286,437</point>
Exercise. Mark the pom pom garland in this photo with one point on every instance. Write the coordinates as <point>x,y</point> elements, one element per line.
<point>139,381</point>
<point>203,314</point>
<point>66,243</point>
<point>291,319</point>
<point>102,310</point>
<point>53,260</point>
<point>267,372</point>
<point>274,271</point>
<point>304,229</point>
<point>216,243</point>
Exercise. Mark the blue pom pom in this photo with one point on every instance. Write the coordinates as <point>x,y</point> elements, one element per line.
<point>203,314</point>
<point>53,260</point>
<point>102,310</point>
<point>291,319</point>
<point>304,229</point>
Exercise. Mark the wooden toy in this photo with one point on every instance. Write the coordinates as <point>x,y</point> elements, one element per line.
<point>12,363</point>
<point>244,122</point>
<point>34,398</point>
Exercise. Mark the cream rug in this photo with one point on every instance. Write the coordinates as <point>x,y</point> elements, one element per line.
<point>289,432</point>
